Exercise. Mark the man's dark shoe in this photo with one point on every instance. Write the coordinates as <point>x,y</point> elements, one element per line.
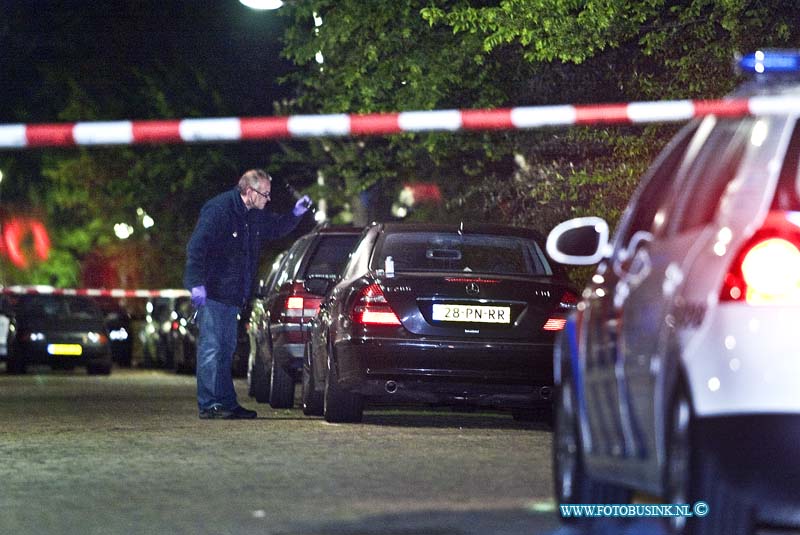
<point>240,413</point>
<point>216,413</point>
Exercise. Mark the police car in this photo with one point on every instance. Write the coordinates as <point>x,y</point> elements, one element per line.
<point>679,375</point>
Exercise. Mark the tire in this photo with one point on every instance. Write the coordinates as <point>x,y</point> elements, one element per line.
<point>98,369</point>
<point>313,401</point>
<point>281,391</point>
<point>15,363</point>
<point>692,474</point>
<point>542,414</point>
<point>147,356</point>
<point>179,358</point>
<point>572,483</point>
<point>258,379</point>
<point>340,406</point>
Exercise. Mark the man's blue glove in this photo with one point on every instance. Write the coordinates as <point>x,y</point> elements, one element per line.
<point>198,296</point>
<point>301,206</point>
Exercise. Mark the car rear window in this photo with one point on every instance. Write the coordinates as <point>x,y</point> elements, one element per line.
<point>480,253</point>
<point>331,255</point>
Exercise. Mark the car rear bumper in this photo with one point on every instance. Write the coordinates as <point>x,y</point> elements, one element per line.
<point>506,374</point>
<point>37,354</point>
<point>288,345</point>
<point>744,360</point>
<point>757,455</point>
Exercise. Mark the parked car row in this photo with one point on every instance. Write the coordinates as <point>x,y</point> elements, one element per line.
<point>396,313</point>
<point>168,337</point>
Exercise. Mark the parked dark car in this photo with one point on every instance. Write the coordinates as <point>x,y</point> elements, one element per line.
<point>283,306</point>
<point>60,331</point>
<point>118,324</point>
<point>441,315</point>
<point>168,337</point>
<point>5,323</point>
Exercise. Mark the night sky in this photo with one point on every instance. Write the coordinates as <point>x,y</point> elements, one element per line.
<point>107,44</point>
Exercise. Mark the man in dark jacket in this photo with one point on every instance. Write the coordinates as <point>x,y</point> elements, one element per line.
<point>222,258</point>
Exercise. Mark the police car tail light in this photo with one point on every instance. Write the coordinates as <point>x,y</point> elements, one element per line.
<point>767,270</point>
<point>372,308</point>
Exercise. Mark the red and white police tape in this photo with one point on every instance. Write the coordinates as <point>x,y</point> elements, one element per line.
<point>93,292</point>
<point>227,129</point>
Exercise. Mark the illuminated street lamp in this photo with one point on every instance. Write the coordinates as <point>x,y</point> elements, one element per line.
<point>262,4</point>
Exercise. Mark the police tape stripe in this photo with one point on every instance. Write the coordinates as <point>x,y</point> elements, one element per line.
<point>225,129</point>
<point>93,292</point>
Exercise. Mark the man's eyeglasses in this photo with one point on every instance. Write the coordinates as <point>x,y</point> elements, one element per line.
<point>265,195</point>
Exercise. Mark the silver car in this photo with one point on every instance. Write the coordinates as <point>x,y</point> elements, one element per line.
<point>679,375</point>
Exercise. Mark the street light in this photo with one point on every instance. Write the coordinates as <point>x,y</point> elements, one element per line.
<point>262,4</point>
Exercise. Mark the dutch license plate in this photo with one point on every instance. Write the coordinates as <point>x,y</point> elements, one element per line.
<point>471,313</point>
<point>65,349</point>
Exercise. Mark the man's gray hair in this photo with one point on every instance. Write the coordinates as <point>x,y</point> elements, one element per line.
<point>251,178</point>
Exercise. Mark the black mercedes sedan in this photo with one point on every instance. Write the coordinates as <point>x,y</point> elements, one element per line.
<point>461,315</point>
<point>61,331</point>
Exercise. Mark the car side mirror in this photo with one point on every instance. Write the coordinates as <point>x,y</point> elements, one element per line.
<point>319,286</point>
<point>582,241</point>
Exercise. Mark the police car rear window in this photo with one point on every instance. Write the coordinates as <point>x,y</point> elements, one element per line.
<point>714,167</point>
<point>786,196</point>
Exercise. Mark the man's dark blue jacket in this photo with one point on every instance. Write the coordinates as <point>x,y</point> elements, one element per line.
<point>224,249</point>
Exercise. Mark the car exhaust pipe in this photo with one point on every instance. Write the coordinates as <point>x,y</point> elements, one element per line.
<point>391,387</point>
<point>545,392</point>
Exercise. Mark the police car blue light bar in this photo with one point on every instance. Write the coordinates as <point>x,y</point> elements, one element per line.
<point>771,61</point>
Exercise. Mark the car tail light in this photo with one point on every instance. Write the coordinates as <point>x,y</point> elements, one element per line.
<point>767,269</point>
<point>557,319</point>
<point>569,301</point>
<point>299,304</point>
<point>294,306</point>
<point>372,308</point>
<point>175,325</point>
<point>554,324</point>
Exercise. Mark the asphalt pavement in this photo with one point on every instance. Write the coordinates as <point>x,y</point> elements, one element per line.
<point>126,454</point>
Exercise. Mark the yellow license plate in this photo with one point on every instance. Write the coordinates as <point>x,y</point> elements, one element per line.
<point>471,313</point>
<point>65,349</point>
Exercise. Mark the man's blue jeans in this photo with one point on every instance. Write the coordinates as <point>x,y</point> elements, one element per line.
<point>215,347</point>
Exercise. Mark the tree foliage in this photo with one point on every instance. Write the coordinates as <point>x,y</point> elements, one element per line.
<point>438,54</point>
<point>70,63</point>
